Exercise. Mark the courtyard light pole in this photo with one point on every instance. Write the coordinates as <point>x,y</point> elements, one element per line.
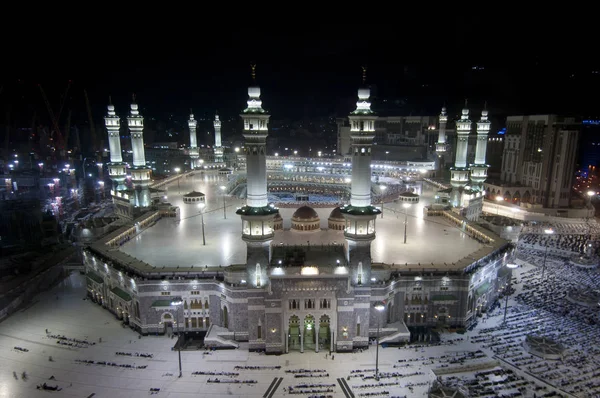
<point>177,169</point>
<point>201,207</point>
<point>383,188</point>
<point>498,199</point>
<point>177,304</point>
<point>223,188</point>
<point>379,306</point>
<point>511,266</point>
<point>548,231</point>
<point>406,206</point>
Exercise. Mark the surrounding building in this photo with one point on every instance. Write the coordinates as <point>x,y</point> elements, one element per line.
<point>539,159</point>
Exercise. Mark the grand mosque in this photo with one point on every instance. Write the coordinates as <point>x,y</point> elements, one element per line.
<point>315,278</point>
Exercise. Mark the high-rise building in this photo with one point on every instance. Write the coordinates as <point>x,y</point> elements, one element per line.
<point>539,155</point>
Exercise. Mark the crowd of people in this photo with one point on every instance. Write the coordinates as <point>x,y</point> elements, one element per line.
<point>105,363</point>
<point>134,354</point>
<point>231,381</point>
<point>543,309</point>
<point>69,341</point>
<point>210,373</point>
<point>21,349</point>
<point>494,383</point>
<point>564,243</point>
<point>257,367</point>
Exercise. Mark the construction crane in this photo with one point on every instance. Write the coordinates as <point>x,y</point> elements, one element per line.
<point>60,143</point>
<point>90,120</point>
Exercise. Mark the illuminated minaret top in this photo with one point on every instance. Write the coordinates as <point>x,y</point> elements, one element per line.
<point>479,168</point>
<point>217,124</point>
<point>460,173</point>
<point>256,121</point>
<point>463,128</point>
<point>362,133</point>
<point>135,121</point>
<point>257,216</point>
<point>113,125</point>
<point>360,215</point>
<point>192,123</point>
<point>218,149</point>
<point>441,143</point>
<point>116,167</point>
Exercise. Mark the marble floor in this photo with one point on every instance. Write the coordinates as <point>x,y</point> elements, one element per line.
<point>171,243</point>
<point>65,311</point>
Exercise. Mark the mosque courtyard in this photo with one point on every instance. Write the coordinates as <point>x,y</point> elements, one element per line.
<point>93,335</point>
<point>174,243</point>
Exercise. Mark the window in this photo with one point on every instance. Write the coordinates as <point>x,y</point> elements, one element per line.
<point>259,332</point>
<point>165,293</point>
<point>195,292</point>
<point>358,329</point>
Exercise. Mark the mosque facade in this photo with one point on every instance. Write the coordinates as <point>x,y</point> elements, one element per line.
<point>287,298</point>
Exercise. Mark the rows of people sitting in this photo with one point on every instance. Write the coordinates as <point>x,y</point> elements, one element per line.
<point>105,363</point>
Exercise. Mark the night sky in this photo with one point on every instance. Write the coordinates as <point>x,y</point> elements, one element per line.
<point>314,70</point>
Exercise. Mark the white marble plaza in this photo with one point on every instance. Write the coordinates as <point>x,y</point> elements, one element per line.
<point>63,311</point>
<point>171,243</point>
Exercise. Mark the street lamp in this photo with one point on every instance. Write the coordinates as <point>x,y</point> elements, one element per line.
<point>383,188</point>
<point>511,266</point>
<point>223,188</point>
<point>406,206</point>
<point>177,169</point>
<point>177,304</point>
<point>548,231</point>
<point>499,198</point>
<point>201,207</point>
<point>379,306</point>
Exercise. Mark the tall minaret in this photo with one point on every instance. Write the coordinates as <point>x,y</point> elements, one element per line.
<point>440,147</point>
<point>218,148</point>
<point>360,214</point>
<point>257,215</point>
<point>460,172</point>
<point>192,123</point>
<point>479,168</point>
<point>116,167</point>
<point>140,174</point>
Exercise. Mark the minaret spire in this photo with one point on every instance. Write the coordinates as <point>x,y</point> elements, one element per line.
<point>116,167</point>
<point>360,214</point>
<point>218,150</point>
<point>460,172</point>
<point>440,147</point>
<point>364,75</point>
<point>253,72</point>
<point>257,216</point>
<point>479,168</point>
<point>140,173</point>
<point>192,123</point>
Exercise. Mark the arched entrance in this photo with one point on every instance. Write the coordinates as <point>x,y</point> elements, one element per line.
<point>324,332</point>
<point>168,324</point>
<point>225,317</point>
<point>309,332</point>
<point>294,333</point>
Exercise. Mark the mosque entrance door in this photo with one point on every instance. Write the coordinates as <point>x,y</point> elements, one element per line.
<point>168,328</point>
<point>309,333</point>
<point>294,333</point>
<point>324,332</point>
